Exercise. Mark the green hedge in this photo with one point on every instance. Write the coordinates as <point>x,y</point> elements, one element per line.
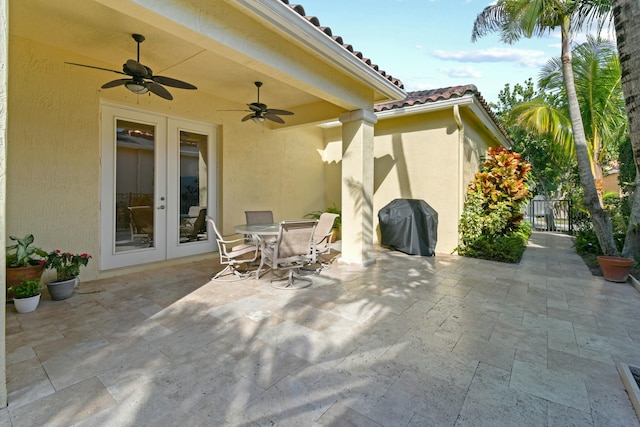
<point>504,248</point>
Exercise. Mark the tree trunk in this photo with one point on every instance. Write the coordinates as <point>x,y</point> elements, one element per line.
<point>600,218</point>
<point>626,16</point>
<point>632,240</point>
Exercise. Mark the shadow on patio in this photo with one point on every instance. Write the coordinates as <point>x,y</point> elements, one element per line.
<point>410,341</point>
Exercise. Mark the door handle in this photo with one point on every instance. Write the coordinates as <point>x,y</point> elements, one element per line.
<point>161,207</point>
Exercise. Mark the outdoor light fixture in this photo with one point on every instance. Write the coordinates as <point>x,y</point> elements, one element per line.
<point>138,88</point>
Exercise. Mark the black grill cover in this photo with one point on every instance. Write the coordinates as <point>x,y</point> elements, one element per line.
<point>409,226</point>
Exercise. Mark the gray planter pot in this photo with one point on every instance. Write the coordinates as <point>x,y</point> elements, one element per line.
<point>61,290</point>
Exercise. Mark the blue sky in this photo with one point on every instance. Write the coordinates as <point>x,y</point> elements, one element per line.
<point>427,43</point>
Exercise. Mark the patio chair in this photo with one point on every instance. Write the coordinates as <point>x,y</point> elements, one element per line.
<point>257,217</point>
<point>323,237</point>
<point>292,250</point>
<point>232,253</point>
<point>194,228</point>
<point>141,223</point>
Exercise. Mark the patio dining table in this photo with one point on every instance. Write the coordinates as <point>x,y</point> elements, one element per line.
<point>262,233</point>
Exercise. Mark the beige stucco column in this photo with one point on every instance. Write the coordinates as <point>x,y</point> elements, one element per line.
<point>4,59</point>
<point>357,187</point>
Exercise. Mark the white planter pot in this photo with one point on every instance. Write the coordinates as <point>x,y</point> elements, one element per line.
<point>26,305</point>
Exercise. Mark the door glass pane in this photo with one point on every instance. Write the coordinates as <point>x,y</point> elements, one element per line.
<point>135,159</point>
<point>193,176</point>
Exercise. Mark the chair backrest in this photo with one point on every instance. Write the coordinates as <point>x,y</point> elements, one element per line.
<point>194,211</point>
<point>325,224</point>
<point>259,217</point>
<point>142,219</point>
<point>294,240</point>
<point>199,224</point>
<point>210,220</point>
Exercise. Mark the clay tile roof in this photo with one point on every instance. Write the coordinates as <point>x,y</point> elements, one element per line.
<point>442,94</point>
<point>316,22</point>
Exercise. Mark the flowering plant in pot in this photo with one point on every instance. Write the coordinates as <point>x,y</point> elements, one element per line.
<point>67,267</point>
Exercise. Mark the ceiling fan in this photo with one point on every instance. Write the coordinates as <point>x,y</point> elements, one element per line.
<point>141,78</point>
<point>260,112</point>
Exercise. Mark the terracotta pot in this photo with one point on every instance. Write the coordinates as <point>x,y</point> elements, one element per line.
<point>15,275</point>
<point>615,268</point>
<point>336,234</point>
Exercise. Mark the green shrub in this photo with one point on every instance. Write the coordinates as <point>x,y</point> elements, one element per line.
<point>504,248</point>
<point>491,225</point>
<point>586,242</point>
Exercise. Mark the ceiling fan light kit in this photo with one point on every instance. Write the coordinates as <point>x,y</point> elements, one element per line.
<point>142,79</point>
<point>137,88</point>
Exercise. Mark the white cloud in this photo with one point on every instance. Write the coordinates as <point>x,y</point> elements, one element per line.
<point>461,72</point>
<point>521,57</point>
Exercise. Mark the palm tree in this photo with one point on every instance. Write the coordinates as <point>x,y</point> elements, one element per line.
<point>626,16</point>
<point>525,18</point>
<point>597,77</point>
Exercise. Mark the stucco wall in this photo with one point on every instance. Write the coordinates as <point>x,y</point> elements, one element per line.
<point>53,174</point>
<point>417,157</point>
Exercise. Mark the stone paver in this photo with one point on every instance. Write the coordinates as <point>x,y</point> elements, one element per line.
<point>409,341</point>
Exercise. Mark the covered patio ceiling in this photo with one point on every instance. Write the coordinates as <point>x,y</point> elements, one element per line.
<point>101,33</point>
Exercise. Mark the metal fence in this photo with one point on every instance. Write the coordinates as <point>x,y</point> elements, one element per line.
<point>550,215</point>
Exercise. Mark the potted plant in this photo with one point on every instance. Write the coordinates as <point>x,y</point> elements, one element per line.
<point>23,262</point>
<point>26,296</point>
<point>337,223</point>
<point>615,268</point>
<point>67,267</point>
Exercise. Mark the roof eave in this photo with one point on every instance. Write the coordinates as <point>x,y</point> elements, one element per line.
<point>469,100</point>
<point>288,21</point>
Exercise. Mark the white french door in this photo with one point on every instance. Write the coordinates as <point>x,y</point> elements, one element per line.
<point>158,181</point>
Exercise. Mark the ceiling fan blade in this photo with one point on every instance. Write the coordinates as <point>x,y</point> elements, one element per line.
<point>115,83</point>
<point>247,117</point>
<point>257,107</point>
<point>168,81</point>
<point>96,68</point>
<point>134,68</point>
<point>158,90</point>
<point>279,112</point>
<point>273,118</point>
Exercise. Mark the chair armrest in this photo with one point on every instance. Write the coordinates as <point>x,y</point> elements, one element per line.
<point>232,241</point>
<point>326,238</point>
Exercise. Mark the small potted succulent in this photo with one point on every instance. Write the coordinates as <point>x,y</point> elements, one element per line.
<point>23,262</point>
<point>67,267</point>
<point>26,296</point>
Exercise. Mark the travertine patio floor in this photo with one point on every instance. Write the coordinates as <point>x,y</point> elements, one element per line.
<point>410,341</point>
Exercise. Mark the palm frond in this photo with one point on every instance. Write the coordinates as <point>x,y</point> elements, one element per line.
<point>546,120</point>
<point>490,20</point>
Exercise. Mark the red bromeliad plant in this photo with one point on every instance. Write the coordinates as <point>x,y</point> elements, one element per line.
<point>67,265</point>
